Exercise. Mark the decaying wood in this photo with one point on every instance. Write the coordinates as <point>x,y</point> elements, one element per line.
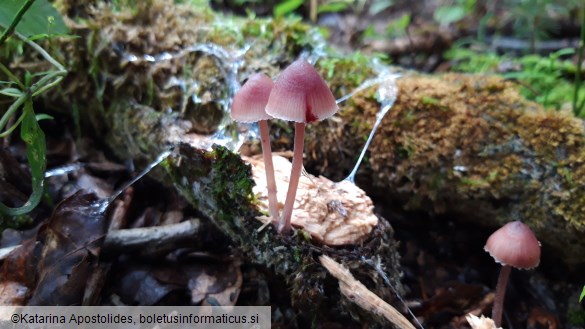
<point>362,296</point>
<point>147,240</point>
<point>480,322</point>
<point>152,240</point>
<point>334,214</point>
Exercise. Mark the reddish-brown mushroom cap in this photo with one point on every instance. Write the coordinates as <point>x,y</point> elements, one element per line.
<point>249,102</point>
<point>300,95</point>
<point>514,244</point>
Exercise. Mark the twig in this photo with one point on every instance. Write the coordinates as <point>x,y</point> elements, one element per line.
<point>151,240</point>
<point>362,296</point>
<point>15,21</point>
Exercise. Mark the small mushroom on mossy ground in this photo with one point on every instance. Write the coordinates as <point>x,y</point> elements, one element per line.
<point>249,106</point>
<point>513,245</point>
<point>300,95</point>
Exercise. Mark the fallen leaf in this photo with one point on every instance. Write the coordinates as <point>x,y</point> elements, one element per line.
<point>70,243</point>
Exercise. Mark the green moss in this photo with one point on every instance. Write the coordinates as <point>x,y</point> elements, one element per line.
<point>515,153</point>
<point>231,182</point>
<point>427,100</point>
<point>576,317</point>
<point>344,73</point>
<point>475,182</point>
<point>16,222</point>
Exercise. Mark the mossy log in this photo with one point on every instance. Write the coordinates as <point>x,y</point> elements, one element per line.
<point>219,184</point>
<point>468,146</point>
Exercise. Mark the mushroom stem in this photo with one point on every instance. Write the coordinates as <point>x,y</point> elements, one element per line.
<point>270,180</point>
<point>500,294</point>
<point>295,174</point>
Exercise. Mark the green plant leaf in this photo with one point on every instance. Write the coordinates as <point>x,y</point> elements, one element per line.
<point>582,295</point>
<point>11,92</point>
<point>562,52</point>
<point>34,138</point>
<point>397,27</point>
<point>44,116</point>
<point>449,14</point>
<point>380,5</point>
<point>286,7</point>
<point>333,7</point>
<point>41,18</point>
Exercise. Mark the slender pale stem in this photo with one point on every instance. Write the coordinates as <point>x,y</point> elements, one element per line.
<point>269,168</point>
<point>500,294</point>
<point>295,175</point>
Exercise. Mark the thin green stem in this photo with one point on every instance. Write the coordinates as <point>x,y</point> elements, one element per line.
<point>581,106</point>
<point>577,109</point>
<point>11,129</point>
<point>43,84</point>
<point>39,87</point>
<point>11,110</point>
<point>43,52</point>
<point>15,21</point>
<point>11,76</point>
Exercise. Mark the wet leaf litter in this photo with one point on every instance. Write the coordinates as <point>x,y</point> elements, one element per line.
<point>450,297</point>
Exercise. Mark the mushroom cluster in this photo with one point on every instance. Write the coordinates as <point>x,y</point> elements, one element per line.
<point>299,94</point>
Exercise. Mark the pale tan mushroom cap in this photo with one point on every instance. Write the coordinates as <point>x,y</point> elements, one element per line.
<point>332,213</point>
<point>250,101</point>
<point>514,244</point>
<point>301,95</point>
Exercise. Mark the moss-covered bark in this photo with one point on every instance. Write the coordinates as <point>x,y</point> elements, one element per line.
<point>470,146</point>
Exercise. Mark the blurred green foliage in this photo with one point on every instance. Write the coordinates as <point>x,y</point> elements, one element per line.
<point>455,12</point>
<point>548,80</point>
<point>30,20</point>
<point>41,19</point>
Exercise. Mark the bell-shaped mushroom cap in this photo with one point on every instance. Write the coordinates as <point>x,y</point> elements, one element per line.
<point>514,244</point>
<point>301,95</point>
<point>249,102</point>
